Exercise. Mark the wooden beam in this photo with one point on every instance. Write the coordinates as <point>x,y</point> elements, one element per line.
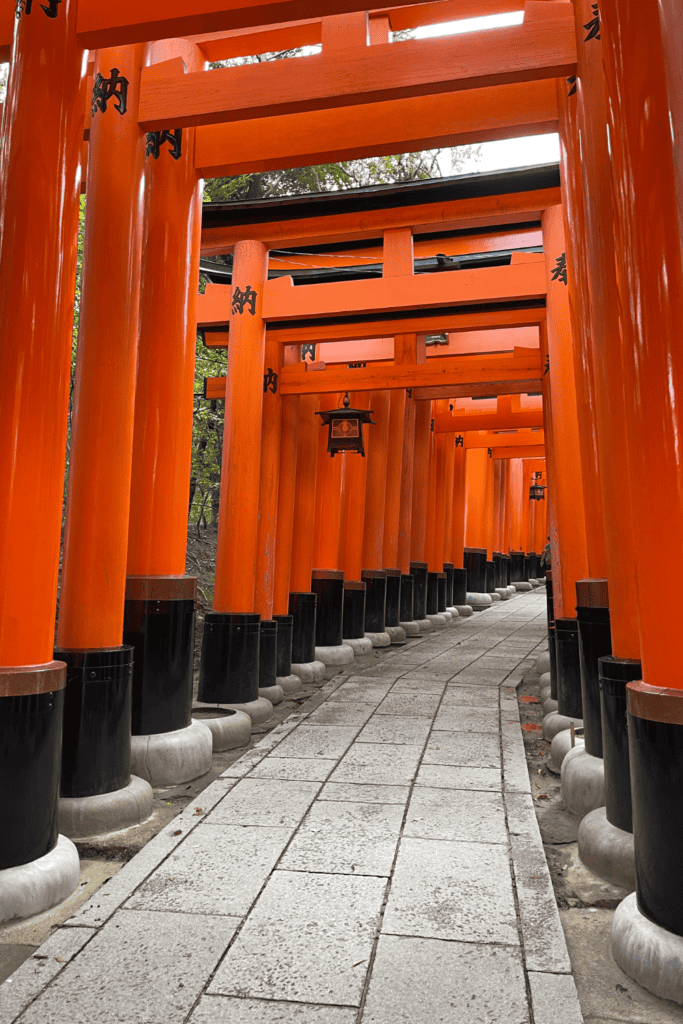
<point>480,211</point>
<point>524,439</point>
<point>500,387</point>
<point>519,453</point>
<point>283,301</point>
<point>130,21</point>
<point>459,423</point>
<point>377,129</point>
<point>452,320</point>
<point>361,75</point>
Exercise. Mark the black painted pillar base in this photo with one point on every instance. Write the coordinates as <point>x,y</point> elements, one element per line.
<point>354,610</point>
<point>432,593</point>
<point>448,568</point>
<point>159,624</point>
<point>595,641</point>
<point>490,578</point>
<point>418,570</point>
<point>615,674</point>
<point>267,672</point>
<point>406,609</point>
<point>655,730</point>
<point>517,566</point>
<point>328,586</point>
<point>569,700</point>
<point>499,570</point>
<point>303,606</point>
<point>508,570</point>
<point>229,666</point>
<point>97,720</point>
<point>285,625</point>
<point>459,587</point>
<point>375,599</point>
<point>392,611</point>
<point>475,563</point>
<point>442,584</point>
<point>31,714</point>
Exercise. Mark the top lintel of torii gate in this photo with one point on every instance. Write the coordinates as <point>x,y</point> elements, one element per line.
<point>210,21</point>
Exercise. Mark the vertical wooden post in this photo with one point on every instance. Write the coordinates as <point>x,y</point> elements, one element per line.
<point>398,402</point>
<point>328,497</point>
<point>423,419</point>
<point>271,436</point>
<point>289,449</point>
<point>39,201</point>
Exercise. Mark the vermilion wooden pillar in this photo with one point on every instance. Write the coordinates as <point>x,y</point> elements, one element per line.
<point>398,401</point>
<point>516,490</point>
<point>302,600</point>
<point>328,497</point>
<point>160,599</point>
<point>373,532</point>
<point>407,350</point>
<point>354,477</point>
<point>39,198</point>
<point>97,720</point>
<point>418,542</point>
<point>229,671</point>
<point>289,444</point>
<point>651,292</point>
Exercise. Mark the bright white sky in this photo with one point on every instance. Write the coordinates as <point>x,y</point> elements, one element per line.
<point>534,149</point>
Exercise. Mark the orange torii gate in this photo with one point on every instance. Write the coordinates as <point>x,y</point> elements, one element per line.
<point>613,502</point>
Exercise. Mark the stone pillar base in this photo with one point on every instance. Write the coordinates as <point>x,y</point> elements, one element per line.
<point>379,639</point>
<point>523,587</point>
<point>289,684</point>
<point>544,682</point>
<point>437,621</point>
<point>560,747</point>
<point>259,710</point>
<point>410,628</point>
<point>447,616</point>
<point>84,816</point>
<point>397,634</point>
<point>275,694</point>
<point>649,954</point>
<point>503,593</point>
<point>360,645</point>
<point>479,601</point>
<point>607,851</point>
<point>309,671</point>
<point>464,611</point>
<point>334,658</point>
<point>29,889</point>
<point>169,758</point>
<point>583,782</point>
<point>511,589</point>
<point>555,722</point>
<point>229,728</point>
<point>495,596</point>
<point>424,625</point>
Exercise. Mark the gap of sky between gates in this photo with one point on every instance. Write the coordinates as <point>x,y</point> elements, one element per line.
<point>442,399</point>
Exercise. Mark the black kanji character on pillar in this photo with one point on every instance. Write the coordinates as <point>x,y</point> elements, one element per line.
<point>240,299</point>
<point>460,441</point>
<point>22,7</point>
<point>572,81</point>
<point>50,8</point>
<point>490,453</point>
<point>155,141</point>
<point>308,350</point>
<point>115,87</point>
<point>270,381</point>
<point>560,271</point>
<point>594,25</point>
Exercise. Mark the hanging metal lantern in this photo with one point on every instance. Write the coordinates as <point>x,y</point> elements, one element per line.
<point>537,492</point>
<point>345,428</point>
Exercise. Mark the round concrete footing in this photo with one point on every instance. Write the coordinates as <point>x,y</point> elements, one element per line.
<point>447,616</point>
<point>359,645</point>
<point>82,816</point>
<point>379,639</point>
<point>410,628</point>
<point>465,611</point>
<point>275,694</point>
<point>511,589</point>
<point>523,587</point>
<point>503,593</point>
<point>583,782</point>
<point>289,684</point>
<point>560,747</point>
<point>397,634</point>
<point>646,952</point>
<point>606,850</point>
<point>479,601</point>
<point>259,711</point>
<point>424,625</point>
<point>543,663</point>
<point>438,621</point>
<point>555,722</point>
<point>544,692</point>
<point>169,758</point>
<point>29,889</point>
<point>534,583</point>
<point>495,596</point>
<point>549,705</point>
<point>309,671</point>
<point>229,729</point>
<point>334,658</point>
<point>454,611</point>
<point>545,677</point>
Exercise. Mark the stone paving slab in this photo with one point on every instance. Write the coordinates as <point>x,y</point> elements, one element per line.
<point>375,859</point>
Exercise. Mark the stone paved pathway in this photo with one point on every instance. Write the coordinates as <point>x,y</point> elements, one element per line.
<point>374,861</point>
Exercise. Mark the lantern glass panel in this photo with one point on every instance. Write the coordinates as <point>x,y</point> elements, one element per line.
<point>344,428</point>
